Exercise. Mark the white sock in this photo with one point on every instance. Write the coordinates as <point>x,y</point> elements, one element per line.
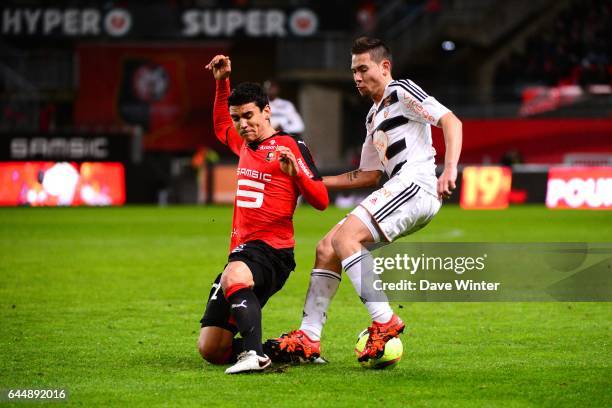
<point>359,269</point>
<point>322,288</point>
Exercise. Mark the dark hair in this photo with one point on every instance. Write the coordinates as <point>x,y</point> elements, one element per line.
<point>247,92</point>
<point>377,49</point>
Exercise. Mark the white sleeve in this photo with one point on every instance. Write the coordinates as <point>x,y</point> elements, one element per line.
<point>369,157</point>
<point>417,105</point>
<point>295,120</point>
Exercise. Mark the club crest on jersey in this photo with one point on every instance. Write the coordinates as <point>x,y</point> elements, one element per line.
<point>387,101</point>
<point>386,113</point>
<point>270,156</point>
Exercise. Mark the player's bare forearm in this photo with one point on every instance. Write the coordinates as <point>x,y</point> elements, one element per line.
<point>353,179</point>
<point>453,138</point>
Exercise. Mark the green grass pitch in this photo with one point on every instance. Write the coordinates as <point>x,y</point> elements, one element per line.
<point>106,303</point>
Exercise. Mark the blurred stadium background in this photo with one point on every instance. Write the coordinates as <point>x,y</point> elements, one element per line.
<point>107,102</point>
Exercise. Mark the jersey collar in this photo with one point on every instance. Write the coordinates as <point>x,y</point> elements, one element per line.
<point>377,105</point>
<point>254,145</point>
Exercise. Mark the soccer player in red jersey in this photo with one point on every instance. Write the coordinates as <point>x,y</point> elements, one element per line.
<point>273,170</point>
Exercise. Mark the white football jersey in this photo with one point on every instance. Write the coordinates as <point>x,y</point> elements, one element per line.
<point>398,139</point>
<point>285,116</point>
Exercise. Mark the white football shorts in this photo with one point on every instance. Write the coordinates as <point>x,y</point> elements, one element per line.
<point>397,209</point>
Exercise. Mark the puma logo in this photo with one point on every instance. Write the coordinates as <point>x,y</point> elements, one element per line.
<point>241,304</point>
<point>238,248</point>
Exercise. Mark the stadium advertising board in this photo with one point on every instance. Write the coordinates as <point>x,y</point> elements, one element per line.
<point>155,21</point>
<point>535,140</point>
<point>579,188</point>
<point>251,23</point>
<point>485,188</point>
<point>61,184</point>
<point>65,146</point>
<point>69,22</point>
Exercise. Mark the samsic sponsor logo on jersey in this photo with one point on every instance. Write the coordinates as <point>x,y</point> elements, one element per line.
<point>251,23</point>
<point>254,174</point>
<point>580,188</point>
<point>70,22</point>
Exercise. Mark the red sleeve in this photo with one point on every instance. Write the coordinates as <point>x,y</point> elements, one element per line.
<point>314,191</point>
<point>224,128</point>
<point>308,180</point>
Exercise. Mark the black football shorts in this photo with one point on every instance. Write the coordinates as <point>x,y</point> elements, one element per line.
<point>270,268</point>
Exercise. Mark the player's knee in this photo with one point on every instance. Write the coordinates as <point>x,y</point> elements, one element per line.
<point>325,251</point>
<point>203,349</point>
<point>340,239</point>
<point>212,352</point>
<point>231,278</point>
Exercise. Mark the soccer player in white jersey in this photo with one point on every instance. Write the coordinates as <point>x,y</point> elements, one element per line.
<point>284,115</point>
<point>398,142</point>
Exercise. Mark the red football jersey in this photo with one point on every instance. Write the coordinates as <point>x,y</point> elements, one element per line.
<point>266,197</point>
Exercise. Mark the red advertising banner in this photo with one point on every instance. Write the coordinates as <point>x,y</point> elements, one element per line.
<point>580,188</point>
<point>531,140</point>
<point>485,188</point>
<point>61,184</point>
<point>163,89</point>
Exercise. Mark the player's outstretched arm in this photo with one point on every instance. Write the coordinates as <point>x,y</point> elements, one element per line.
<point>453,137</point>
<point>221,68</point>
<point>353,179</point>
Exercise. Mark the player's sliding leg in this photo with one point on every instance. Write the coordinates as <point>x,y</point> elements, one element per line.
<point>305,343</point>
<point>348,242</point>
<point>216,343</point>
<point>237,283</point>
